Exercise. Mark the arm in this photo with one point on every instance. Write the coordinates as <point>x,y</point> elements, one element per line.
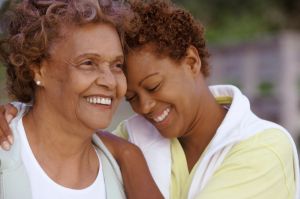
<point>7,113</point>
<point>137,178</point>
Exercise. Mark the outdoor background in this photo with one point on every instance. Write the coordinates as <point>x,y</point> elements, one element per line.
<point>255,45</point>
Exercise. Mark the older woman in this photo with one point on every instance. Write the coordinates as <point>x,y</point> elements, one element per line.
<point>66,59</point>
<point>200,142</point>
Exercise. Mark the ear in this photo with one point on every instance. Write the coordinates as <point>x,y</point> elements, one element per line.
<point>39,73</point>
<point>192,59</point>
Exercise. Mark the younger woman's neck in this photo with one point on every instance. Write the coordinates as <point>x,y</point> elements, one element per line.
<point>202,130</point>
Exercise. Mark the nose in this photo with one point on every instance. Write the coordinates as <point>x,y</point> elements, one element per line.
<point>106,78</point>
<point>146,104</point>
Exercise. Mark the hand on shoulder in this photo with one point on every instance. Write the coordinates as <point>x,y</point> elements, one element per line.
<point>119,147</point>
<point>7,113</point>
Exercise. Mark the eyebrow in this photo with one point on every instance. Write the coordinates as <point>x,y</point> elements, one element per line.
<point>117,58</point>
<point>148,76</point>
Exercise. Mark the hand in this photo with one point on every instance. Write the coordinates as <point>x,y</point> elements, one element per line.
<point>118,147</point>
<point>7,113</point>
<point>136,175</point>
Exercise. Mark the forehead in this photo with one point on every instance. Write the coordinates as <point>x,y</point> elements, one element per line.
<point>101,39</point>
<point>141,63</point>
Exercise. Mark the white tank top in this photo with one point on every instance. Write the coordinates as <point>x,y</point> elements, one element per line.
<point>43,187</point>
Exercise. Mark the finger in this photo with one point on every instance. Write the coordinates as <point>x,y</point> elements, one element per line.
<point>5,132</point>
<point>4,143</point>
<point>10,112</point>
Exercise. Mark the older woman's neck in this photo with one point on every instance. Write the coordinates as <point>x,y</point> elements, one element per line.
<point>46,127</point>
<point>65,154</point>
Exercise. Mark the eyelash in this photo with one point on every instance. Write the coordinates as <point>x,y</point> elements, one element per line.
<point>154,88</point>
<point>119,66</point>
<point>86,65</point>
<point>88,62</point>
<point>130,99</point>
<point>150,90</point>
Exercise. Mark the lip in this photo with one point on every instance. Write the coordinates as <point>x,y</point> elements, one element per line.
<point>101,106</point>
<point>166,122</point>
<point>99,95</point>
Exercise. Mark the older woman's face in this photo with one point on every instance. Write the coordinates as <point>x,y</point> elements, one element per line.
<point>83,79</point>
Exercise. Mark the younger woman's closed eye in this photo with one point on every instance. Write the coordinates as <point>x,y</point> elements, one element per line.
<point>154,88</point>
<point>130,97</point>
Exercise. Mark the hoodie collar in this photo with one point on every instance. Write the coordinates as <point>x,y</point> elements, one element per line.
<point>239,108</point>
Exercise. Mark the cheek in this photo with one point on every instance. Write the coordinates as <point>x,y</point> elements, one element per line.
<point>78,83</point>
<point>121,85</point>
<point>72,89</point>
<point>135,107</point>
<point>59,77</point>
<point>57,89</point>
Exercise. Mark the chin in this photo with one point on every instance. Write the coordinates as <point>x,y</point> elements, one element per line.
<point>102,125</point>
<point>168,134</point>
<point>95,125</point>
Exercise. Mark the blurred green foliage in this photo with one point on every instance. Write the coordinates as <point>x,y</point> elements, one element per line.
<point>266,89</point>
<point>236,20</point>
<point>228,21</point>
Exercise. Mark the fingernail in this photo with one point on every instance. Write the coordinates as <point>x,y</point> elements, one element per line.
<point>5,145</point>
<point>10,139</point>
<point>9,118</point>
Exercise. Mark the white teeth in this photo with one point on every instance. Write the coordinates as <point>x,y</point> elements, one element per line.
<point>99,100</point>
<point>103,101</point>
<point>162,116</point>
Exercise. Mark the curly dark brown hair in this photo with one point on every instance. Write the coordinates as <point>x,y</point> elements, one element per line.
<point>33,25</point>
<point>170,28</point>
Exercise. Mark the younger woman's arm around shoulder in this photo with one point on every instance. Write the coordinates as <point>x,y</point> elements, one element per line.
<point>136,175</point>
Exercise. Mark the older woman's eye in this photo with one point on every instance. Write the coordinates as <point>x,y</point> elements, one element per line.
<point>87,65</point>
<point>118,67</point>
<point>88,62</point>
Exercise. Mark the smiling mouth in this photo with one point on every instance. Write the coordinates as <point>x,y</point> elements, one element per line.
<point>99,100</point>
<point>163,116</point>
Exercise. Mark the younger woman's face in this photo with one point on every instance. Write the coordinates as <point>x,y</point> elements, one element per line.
<point>162,90</point>
<point>83,80</point>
